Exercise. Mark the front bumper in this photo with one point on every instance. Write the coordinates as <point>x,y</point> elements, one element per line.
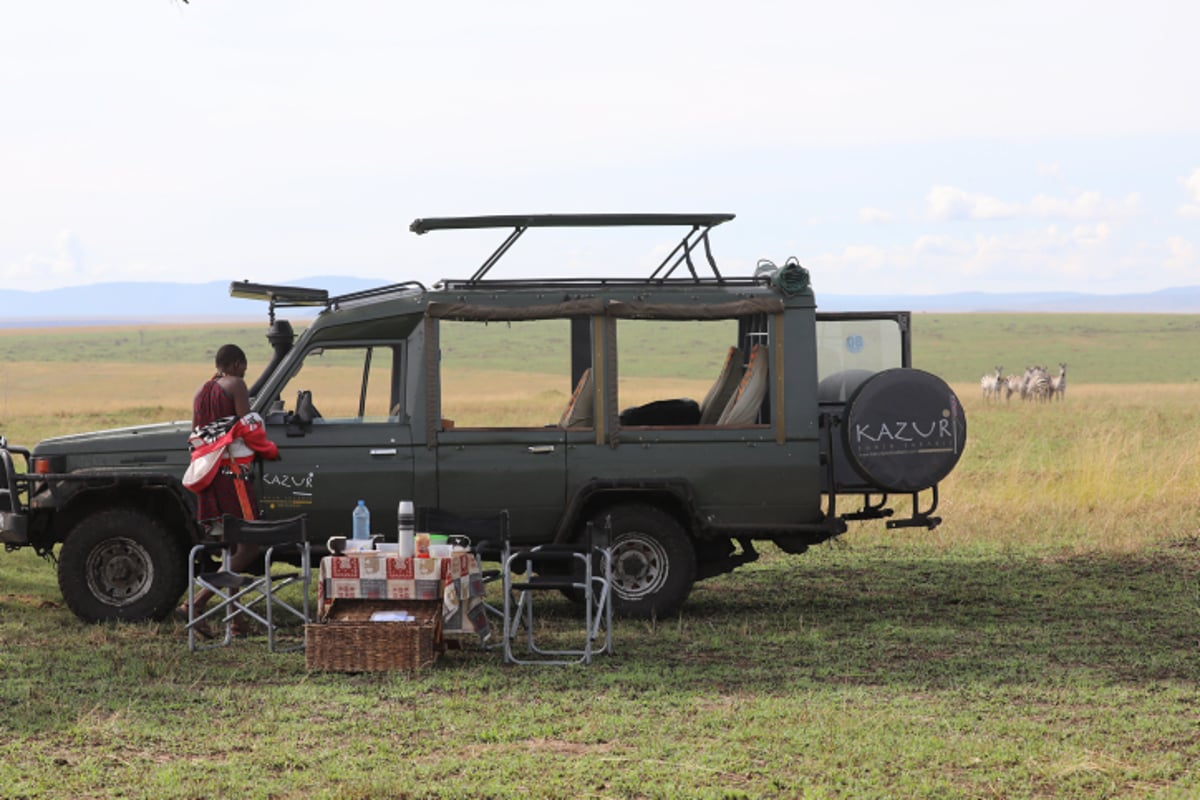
<point>14,529</point>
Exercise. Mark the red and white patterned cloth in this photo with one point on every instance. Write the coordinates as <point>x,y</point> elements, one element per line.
<point>215,444</point>
<point>371,575</point>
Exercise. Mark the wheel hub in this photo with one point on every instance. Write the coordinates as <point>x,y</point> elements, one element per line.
<point>119,572</point>
<point>639,566</point>
<point>632,567</point>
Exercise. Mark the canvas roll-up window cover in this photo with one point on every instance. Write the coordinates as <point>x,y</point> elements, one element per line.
<point>473,312</point>
<point>731,310</point>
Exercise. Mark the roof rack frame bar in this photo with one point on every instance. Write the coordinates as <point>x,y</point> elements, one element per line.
<point>700,224</point>
<point>671,255</point>
<point>585,283</point>
<point>499,252</point>
<point>684,250</point>
<point>376,291</point>
<point>708,254</point>
<point>427,224</point>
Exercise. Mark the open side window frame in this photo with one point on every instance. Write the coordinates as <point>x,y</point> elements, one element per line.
<point>902,319</point>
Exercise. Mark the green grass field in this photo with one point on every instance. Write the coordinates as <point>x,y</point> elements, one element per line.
<point>1104,348</point>
<point>1098,348</point>
<point>1043,642</point>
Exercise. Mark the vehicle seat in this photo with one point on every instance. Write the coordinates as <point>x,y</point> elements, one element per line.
<point>579,412</point>
<point>743,407</point>
<point>681,411</point>
<point>723,388</point>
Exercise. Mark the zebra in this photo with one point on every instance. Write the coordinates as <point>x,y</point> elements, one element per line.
<point>1038,383</point>
<point>1026,381</point>
<point>990,384</point>
<point>1058,384</point>
<point>1013,384</point>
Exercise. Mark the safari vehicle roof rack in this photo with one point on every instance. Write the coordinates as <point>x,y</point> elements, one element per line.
<point>699,226</point>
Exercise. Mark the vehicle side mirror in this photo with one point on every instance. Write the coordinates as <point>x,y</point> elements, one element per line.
<point>302,419</point>
<point>305,410</point>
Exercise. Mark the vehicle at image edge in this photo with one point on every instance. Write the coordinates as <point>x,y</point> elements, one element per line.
<point>806,413</point>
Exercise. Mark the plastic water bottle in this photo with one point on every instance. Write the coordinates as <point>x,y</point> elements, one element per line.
<point>362,521</point>
<point>405,527</point>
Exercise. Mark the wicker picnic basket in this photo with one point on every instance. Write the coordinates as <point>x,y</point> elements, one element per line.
<point>350,642</point>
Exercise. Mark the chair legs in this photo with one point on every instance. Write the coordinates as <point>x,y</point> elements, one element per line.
<point>239,597</point>
<point>602,589</point>
<point>494,638</point>
<point>589,573</point>
<point>303,614</point>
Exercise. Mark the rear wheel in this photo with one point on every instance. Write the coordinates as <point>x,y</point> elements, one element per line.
<point>121,564</point>
<point>654,563</point>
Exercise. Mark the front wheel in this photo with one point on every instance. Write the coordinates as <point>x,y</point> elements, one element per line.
<point>121,564</point>
<point>654,563</point>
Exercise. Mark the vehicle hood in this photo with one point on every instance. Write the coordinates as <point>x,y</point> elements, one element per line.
<point>161,444</point>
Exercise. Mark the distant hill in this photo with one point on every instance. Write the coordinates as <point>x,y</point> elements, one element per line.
<point>126,303</point>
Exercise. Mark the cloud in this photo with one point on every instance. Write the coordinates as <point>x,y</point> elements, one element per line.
<point>63,265</point>
<point>1182,255</point>
<point>874,215</point>
<point>1191,185</point>
<point>1091,235</point>
<point>66,262</point>
<point>1084,205</point>
<point>936,245</point>
<point>1086,257</point>
<point>949,203</point>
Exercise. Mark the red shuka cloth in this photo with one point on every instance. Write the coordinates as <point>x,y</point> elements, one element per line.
<point>220,495</point>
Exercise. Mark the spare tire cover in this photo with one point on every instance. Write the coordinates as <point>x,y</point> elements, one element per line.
<point>838,387</point>
<point>904,430</point>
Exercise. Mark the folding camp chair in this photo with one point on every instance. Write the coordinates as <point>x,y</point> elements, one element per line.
<point>255,597</point>
<point>582,569</point>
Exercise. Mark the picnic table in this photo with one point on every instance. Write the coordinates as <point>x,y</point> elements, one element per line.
<point>374,575</point>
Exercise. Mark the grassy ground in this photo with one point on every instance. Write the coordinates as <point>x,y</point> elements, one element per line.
<point>882,667</point>
<point>1041,643</point>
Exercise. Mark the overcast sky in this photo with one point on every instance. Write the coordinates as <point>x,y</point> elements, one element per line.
<point>908,147</point>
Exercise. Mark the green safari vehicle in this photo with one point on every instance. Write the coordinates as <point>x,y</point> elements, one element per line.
<point>703,414</point>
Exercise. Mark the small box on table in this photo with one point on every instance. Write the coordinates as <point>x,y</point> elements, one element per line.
<point>350,642</point>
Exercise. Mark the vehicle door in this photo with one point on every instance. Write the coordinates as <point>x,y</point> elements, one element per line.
<point>851,347</point>
<point>498,442</point>
<point>343,436</point>
<point>671,433</point>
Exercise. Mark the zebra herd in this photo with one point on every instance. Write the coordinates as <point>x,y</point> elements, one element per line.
<point>1036,384</point>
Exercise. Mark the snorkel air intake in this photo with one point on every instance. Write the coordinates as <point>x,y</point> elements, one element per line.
<point>281,338</point>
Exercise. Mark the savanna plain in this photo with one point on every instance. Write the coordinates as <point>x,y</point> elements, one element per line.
<point>1044,641</point>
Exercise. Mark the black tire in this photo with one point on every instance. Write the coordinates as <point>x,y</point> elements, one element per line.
<point>654,562</point>
<point>121,564</point>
